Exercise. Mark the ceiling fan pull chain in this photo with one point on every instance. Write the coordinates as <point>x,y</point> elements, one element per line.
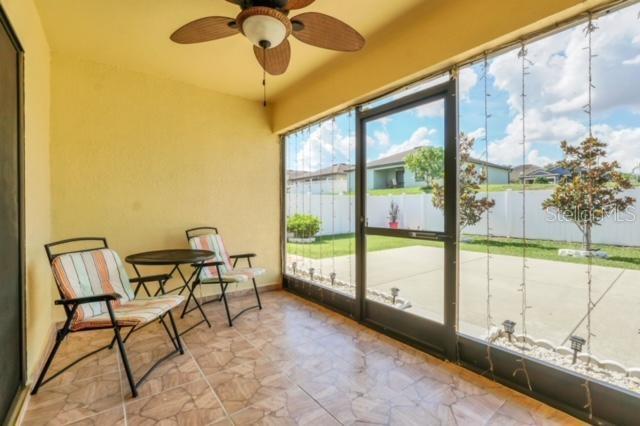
<point>264,77</point>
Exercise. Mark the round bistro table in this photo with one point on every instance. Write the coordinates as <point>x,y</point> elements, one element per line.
<point>175,258</point>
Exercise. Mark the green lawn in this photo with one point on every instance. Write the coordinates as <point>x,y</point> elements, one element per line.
<point>492,188</point>
<point>341,245</point>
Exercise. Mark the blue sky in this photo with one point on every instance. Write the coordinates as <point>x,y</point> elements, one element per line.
<point>556,88</point>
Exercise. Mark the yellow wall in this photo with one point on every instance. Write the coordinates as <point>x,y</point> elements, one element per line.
<point>26,21</point>
<point>139,159</point>
<point>435,35</point>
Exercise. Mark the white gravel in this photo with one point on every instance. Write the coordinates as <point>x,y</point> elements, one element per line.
<point>350,289</point>
<point>590,369</point>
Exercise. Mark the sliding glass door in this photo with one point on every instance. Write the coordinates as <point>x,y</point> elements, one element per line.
<point>407,195</point>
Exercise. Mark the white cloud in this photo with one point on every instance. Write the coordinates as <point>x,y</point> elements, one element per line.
<point>633,61</point>
<point>534,157</point>
<point>540,129</point>
<point>384,120</point>
<point>323,146</point>
<point>430,110</point>
<point>623,145</point>
<point>556,88</point>
<point>558,81</point>
<point>477,134</point>
<point>467,80</point>
<point>382,138</point>
<point>419,138</point>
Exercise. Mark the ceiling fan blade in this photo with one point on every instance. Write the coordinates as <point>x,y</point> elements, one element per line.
<point>324,31</point>
<point>204,29</point>
<point>274,61</point>
<point>297,4</point>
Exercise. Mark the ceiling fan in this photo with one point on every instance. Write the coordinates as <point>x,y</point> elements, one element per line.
<point>267,25</point>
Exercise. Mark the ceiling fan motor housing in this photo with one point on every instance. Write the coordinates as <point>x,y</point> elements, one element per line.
<point>276,4</point>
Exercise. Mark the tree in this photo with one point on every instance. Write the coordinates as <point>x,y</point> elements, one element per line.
<point>426,162</point>
<point>590,192</point>
<point>470,206</point>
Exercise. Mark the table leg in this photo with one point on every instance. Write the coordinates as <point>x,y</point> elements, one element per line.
<point>184,279</point>
<point>190,289</point>
<point>135,292</point>
<point>161,289</point>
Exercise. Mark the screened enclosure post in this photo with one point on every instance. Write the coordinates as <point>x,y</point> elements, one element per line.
<point>360,195</point>
<point>283,208</point>
<point>451,267</point>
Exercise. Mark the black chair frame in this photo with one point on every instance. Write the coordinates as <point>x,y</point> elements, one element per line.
<point>70,307</point>
<point>203,230</point>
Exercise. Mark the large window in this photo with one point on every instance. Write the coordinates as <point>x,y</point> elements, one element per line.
<point>558,252</point>
<point>320,203</point>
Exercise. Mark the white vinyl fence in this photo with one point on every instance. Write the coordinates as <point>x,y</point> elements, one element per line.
<point>417,212</point>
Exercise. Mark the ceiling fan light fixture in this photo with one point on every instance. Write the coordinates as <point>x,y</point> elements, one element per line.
<point>264,27</point>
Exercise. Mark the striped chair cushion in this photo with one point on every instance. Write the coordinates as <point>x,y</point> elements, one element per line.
<point>91,273</point>
<point>133,313</point>
<point>214,243</point>
<point>237,275</point>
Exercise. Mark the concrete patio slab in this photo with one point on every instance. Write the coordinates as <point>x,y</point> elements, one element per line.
<point>556,294</point>
<point>615,322</point>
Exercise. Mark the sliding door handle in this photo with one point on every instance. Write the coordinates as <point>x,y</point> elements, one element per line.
<point>425,235</point>
<point>433,236</point>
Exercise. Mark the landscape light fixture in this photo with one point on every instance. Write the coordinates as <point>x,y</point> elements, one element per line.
<point>311,272</point>
<point>394,292</point>
<point>294,267</point>
<point>333,278</point>
<point>576,345</point>
<point>509,327</point>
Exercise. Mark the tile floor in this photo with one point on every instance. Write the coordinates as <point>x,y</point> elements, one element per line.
<point>291,363</point>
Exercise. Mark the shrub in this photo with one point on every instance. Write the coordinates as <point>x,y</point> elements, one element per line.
<point>304,225</point>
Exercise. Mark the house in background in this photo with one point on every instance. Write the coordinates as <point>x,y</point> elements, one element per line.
<point>392,172</point>
<point>530,173</point>
<point>329,180</point>
<point>636,172</point>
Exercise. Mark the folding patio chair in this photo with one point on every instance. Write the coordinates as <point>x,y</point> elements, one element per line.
<point>96,294</point>
<point>222,271</point>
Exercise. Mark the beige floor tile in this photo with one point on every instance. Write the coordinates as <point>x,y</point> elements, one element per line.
<point>113,417</point>
<point>249,383</point>
<point>217,351</point>
<point>69,403</point>
<point>175,371</point>
<point>104,362</point>
<point>293,407</point>
<point>192,404</point>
